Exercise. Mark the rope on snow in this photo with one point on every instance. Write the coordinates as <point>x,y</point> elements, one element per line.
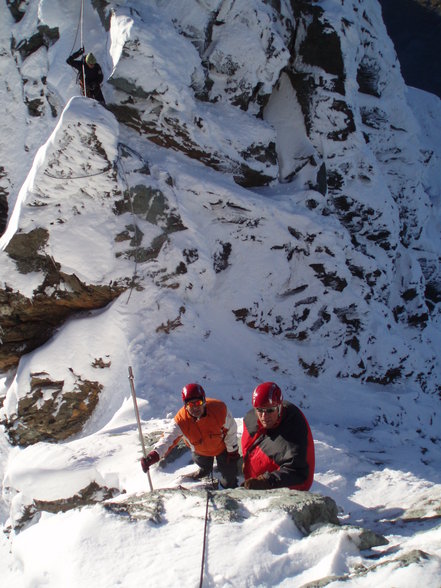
<point>204,543</point>
<point>103,171</point>
<point>123,176</point>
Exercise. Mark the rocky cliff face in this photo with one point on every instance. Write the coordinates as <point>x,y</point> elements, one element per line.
<point>313,104</point>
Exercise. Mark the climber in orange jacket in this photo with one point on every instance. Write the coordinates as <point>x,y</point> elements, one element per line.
<point>208,429</point>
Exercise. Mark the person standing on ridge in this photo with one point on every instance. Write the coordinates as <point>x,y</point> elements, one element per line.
<point>89,72</point>
<point>277,443</point>
<point>208,429</point>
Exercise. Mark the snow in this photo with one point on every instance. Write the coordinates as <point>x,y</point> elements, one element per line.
<point>377,449</point>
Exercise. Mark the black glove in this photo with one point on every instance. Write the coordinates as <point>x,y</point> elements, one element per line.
<point>233,456</point>
<point>148,461</point>
<point>259,483</point>
<point>78,53</point>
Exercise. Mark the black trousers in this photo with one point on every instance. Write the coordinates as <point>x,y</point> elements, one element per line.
<point>227,470</point>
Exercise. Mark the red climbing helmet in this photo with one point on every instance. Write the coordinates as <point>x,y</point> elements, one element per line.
<point>192,392</point>
<point>267,394</point>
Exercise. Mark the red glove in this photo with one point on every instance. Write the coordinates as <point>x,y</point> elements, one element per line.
<point>259,483</point>
<point>148,461</point>
<point>233,456</point>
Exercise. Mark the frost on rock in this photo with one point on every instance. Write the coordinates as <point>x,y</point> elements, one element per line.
<point>307,510</point>
<point>154,95</point>
<point>25,514</point>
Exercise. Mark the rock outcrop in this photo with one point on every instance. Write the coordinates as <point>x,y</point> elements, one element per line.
<point>30,513</point>
<point>27,323</point>
<point>171,101</point>
<point>47,411</point>
<point>306,509</point>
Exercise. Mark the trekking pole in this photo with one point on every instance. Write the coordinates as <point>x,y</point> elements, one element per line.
<point>141,438</point>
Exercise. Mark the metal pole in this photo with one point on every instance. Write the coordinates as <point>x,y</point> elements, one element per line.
<point>141,438</point>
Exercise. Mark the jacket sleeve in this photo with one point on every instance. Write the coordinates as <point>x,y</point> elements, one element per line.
<point>169,439</point>
<point>293,465</point>
<point>291,472</point>
<point>99,77</point>
<point>75,64</point>
<point>71,59</point>
<point>231,433</point>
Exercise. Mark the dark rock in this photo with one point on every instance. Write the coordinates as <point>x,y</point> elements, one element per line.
<point>329,278</point>
<point>191,255</point>
<point>241,314</point>
<point>221,257</point>
<point>346,126</point>
<point>151,205</point>
<point>172,134</point>
<point>44,37</point>
<point>17,8</point>
<point>35,107</point>
<point>171,324</point>
<point>373,117</point>
<point>321,46</point>
<point>313,369</point>
<point>27,323</point>
<point>91,494</point>
<point>389,377</point>
<point>368,77</point>
<point>23,248</point>
<point>48,412</point>
<point>102,8</point>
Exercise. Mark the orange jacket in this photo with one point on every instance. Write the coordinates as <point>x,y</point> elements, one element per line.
<point>210,435</point>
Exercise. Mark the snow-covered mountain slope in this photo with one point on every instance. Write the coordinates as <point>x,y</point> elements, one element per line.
<point>258,200</point>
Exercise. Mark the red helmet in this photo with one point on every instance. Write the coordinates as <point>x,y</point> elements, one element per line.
<point>267,394</point>
<point>192,392</point>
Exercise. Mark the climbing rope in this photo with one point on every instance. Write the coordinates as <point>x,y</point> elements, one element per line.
<point>122,174</point>
<point>80,30</point>
<point>103,171</point>
<point>82,45</point>
<point>76,34</point>
<point>204,543</point>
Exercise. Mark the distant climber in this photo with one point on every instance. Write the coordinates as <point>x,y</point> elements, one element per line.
<point>89,71</point>
<point>277,444</point>
<point>208,429</point>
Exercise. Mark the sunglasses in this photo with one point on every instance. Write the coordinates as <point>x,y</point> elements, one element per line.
<point>197,402</point>
<point>270,409</point>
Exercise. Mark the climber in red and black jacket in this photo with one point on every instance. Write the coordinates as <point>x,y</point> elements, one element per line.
<point>277,443</point>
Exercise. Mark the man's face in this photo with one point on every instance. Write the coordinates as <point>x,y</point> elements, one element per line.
<point>195,408</point>
<point>268,416</point>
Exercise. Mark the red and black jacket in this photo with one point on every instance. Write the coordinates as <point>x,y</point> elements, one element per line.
<point>285,453</point>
